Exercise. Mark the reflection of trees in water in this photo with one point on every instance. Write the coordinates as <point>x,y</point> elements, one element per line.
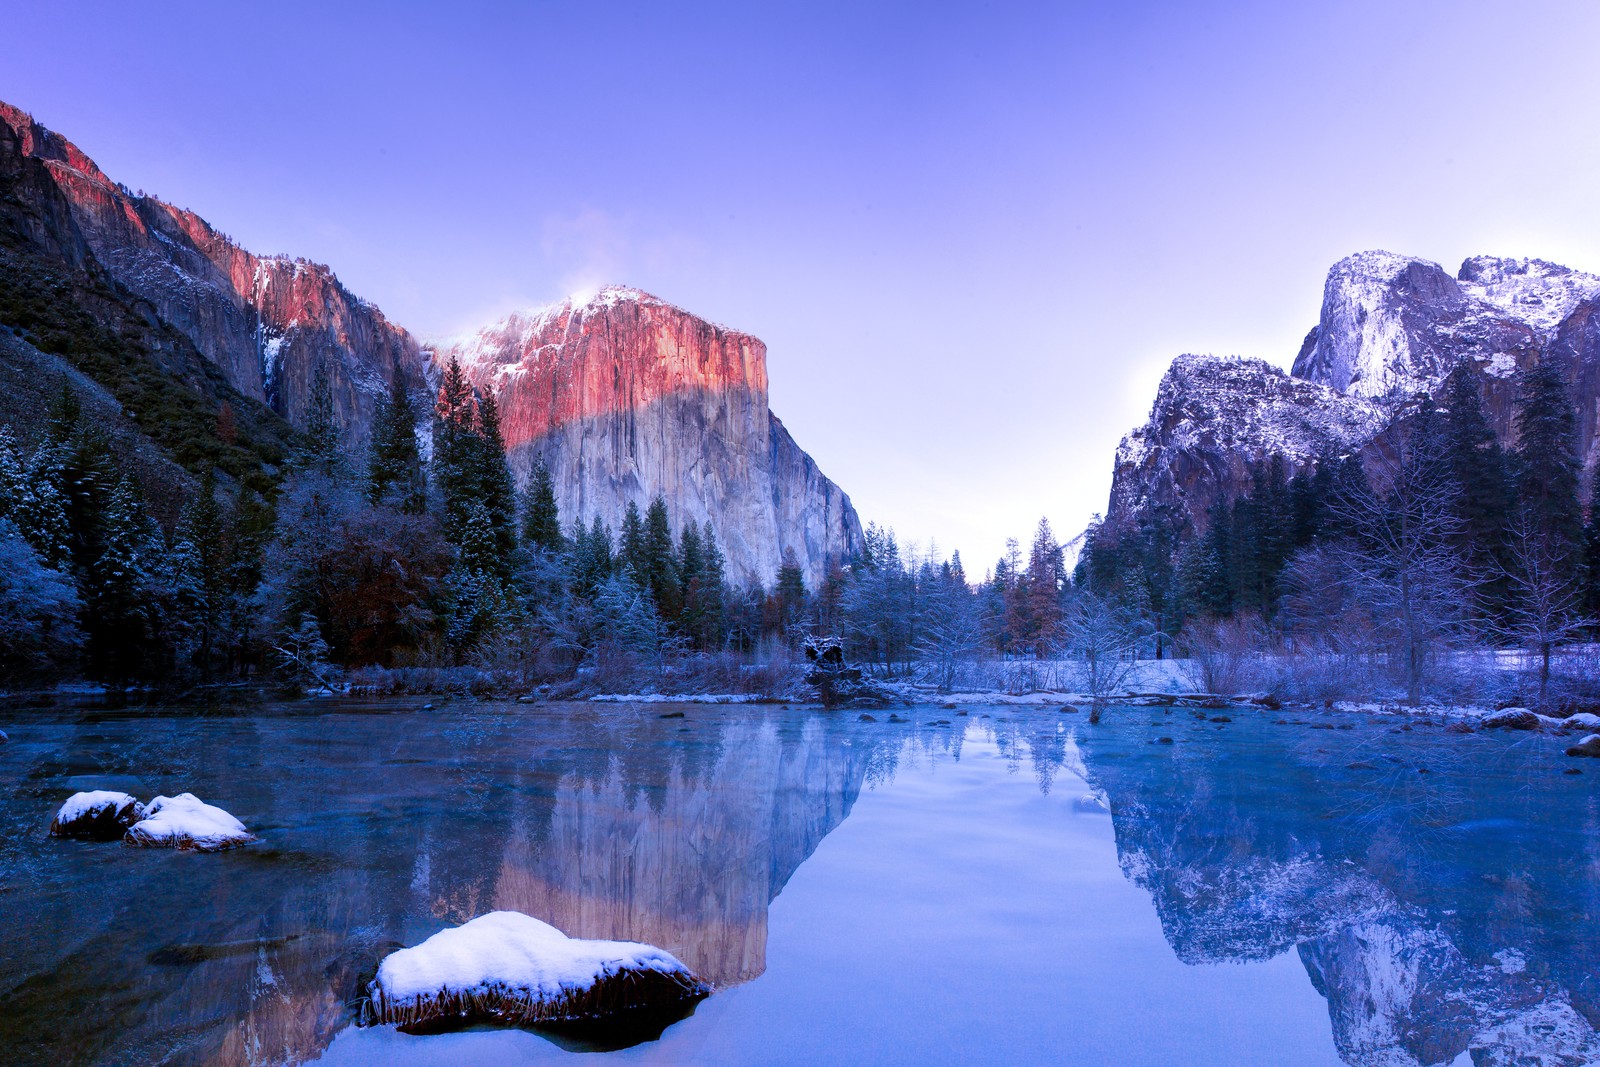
<point>1437,912</point>
<point>380,827</point>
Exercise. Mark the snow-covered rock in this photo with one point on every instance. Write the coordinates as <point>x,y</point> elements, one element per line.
<point>1589,746</point>
<point>1511,719</point>
<point>509,968</point>
<point>98,815</point>
<point>185,821</point>
<point>1583,720</point>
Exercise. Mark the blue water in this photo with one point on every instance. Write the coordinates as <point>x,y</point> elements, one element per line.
<point>1260,892</point>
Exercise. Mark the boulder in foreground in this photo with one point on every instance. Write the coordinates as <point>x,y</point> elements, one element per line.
<point>510,969</point>
<point>187,822</point>
<point>98,815</point>
<point>1589,746</point>
<point>1511,719</point>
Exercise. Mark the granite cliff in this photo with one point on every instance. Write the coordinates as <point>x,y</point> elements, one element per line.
<point>1391,329</point>
<point>626,397</point>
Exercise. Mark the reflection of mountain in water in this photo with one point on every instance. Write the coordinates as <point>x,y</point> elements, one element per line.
<point>378,830</point>
<point>1441,912</point>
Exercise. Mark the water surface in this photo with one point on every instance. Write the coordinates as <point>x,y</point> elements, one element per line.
<point>1016,886</point>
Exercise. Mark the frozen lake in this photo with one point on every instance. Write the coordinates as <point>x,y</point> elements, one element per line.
<point>1015,887</point>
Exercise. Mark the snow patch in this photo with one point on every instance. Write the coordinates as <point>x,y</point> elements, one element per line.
<point>185,821</point>
<point>507,954</point>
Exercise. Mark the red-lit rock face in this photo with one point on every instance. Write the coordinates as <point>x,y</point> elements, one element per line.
<point>267,321</point>
<point>626,397</point>
<point>619,350</point>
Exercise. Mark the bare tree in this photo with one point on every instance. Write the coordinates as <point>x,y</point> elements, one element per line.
<point>954,630</point>
<point>1105,638</point>
<point>1546,611</point>
<point>1222,653</point>
<point>1402,564</point>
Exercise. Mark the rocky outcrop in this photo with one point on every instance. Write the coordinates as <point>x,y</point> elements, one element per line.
<point>626,397</point>
<point>1392,328</point>
<point>267,322</point>
<point>1215,421</point>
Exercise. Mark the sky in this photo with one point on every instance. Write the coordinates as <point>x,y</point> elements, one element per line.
<point>972,235</point>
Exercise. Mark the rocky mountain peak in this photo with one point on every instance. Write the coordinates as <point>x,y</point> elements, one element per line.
<point>626,397</point>
<point>1214,420</point>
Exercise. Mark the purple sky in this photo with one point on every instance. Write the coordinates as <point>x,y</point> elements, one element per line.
<point>971,238</point>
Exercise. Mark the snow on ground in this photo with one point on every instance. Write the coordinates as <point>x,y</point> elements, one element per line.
<point>507,953</point>
<point>185,821</point>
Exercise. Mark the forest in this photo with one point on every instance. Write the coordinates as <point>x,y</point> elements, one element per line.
<point>392,569</point>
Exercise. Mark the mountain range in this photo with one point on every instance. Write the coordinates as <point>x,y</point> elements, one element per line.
<point>1392,328</point>
<point>156,320</point>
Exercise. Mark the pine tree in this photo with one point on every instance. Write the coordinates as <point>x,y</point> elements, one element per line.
<point>790,591</point>
<point>394,467</point>
<point>455,449</point>
<point>496,489</point>
<point>631,547</point>
<point>320,444</point>
<point>1482,490</point>
<point>713,590</point>
<point>541,521</point>
<point>1546,459</point>
<point>117,615</point>
<point>1591,553</point>
<point>661,570</point>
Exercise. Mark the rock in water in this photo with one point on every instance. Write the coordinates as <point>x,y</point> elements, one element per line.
<point>1511,719</point>
<point>510,969</point>
<point>187,822</point>
<point>1589,746</point>
<point>99,815</point>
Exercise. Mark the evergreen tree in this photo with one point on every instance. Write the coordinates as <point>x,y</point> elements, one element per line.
<point>320,446</point>
<point>661,568</point>
<point>713,595</point>
<point>541,522</point>
<point>456,472</point>
<point>1546,460</point>
<point>592,561</point>
<point>790,591</point>
<point>394,467</point>
<point>1591,553</point>
<point>631,547</point>
<point>117,616</point>
<point>1482,490</point>
<point>496,489</point>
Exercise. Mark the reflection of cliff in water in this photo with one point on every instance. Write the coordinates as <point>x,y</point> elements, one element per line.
<point>377,830</point>
<point>1442,892</point>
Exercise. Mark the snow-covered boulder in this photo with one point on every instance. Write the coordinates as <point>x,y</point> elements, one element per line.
<point>1589,746</point>
<point>98,815</point>
<point>511,969</point>
<point>1511,719</point>
<point>185,821</point>
<point>1584,720</point>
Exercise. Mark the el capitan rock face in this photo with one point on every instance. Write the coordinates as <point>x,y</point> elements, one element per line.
<point>626,397</point>
<point>267,322</point>
<point>1392,328</point>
